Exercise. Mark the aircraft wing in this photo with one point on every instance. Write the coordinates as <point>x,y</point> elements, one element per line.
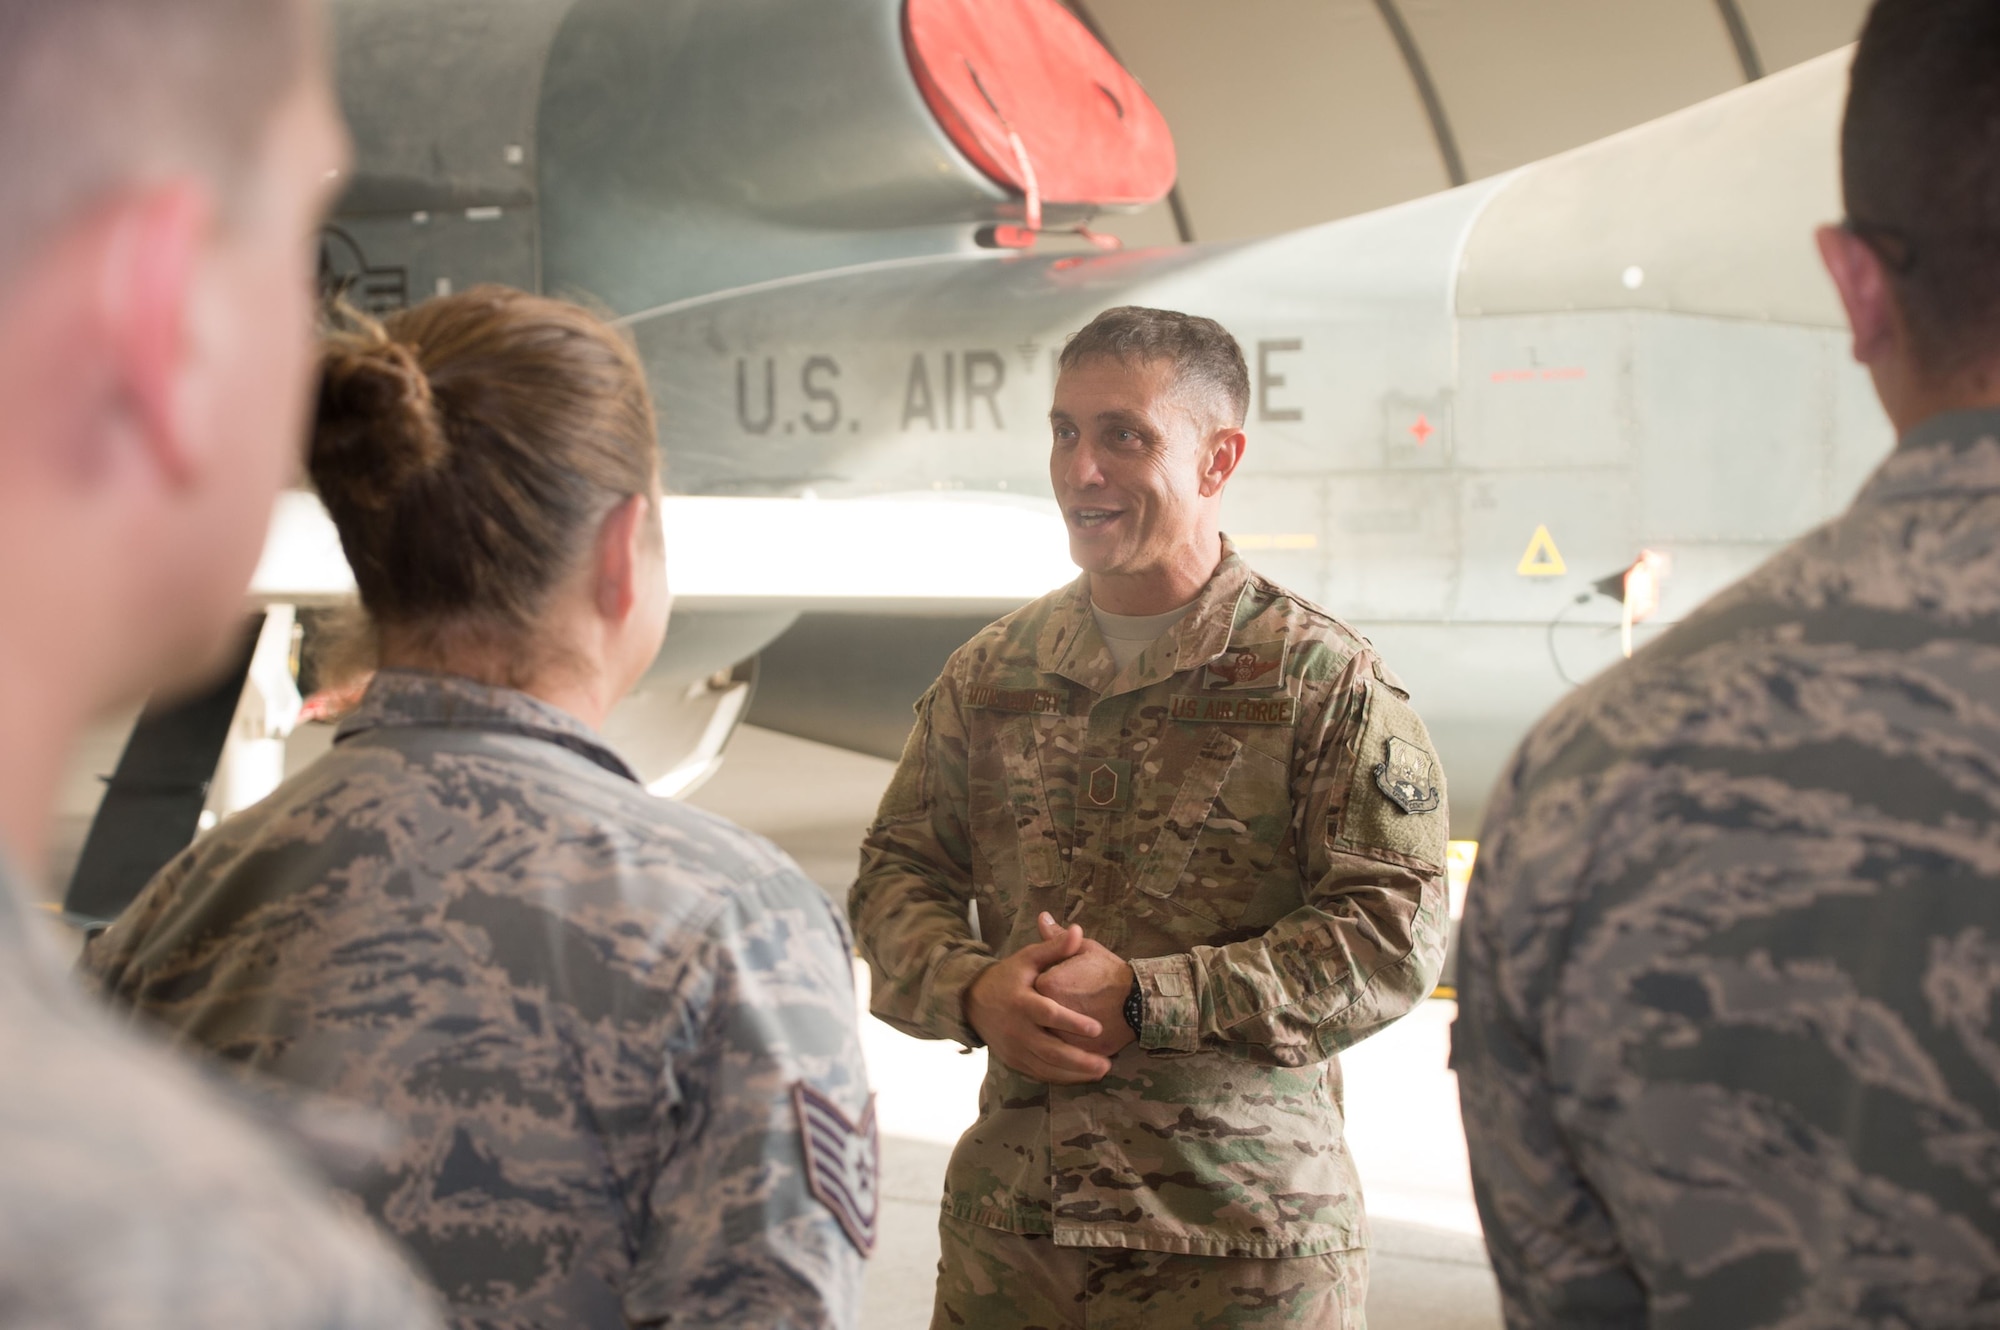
<point>911,554</point>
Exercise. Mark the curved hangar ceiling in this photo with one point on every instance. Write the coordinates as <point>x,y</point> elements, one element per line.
<point>1290,112</point>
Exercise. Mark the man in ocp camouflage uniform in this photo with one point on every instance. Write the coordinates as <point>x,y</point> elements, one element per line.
<point>1202,834</point>
<point>1728,1047</point>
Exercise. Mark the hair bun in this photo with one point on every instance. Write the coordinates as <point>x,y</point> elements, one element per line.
<point>377,426</point>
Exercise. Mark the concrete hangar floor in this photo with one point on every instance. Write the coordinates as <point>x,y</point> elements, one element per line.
<point>1429,1270</point>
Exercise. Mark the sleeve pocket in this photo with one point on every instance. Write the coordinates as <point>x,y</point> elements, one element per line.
<point>1395,802</point>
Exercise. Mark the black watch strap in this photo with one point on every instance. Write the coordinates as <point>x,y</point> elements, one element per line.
<point>1135,1007</point>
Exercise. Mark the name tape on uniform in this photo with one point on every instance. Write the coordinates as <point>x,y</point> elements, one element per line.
<point>1027,701</point>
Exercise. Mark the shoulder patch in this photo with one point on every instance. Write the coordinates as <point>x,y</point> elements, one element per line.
<point>1409,777</point>
<point>843,1163</point>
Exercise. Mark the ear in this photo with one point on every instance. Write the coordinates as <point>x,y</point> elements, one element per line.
<point>146,286</point>
<point>621,547</point>
<point>1863,282</point>
<point>1225,454</point>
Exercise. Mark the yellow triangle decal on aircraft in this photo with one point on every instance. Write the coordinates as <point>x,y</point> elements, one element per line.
<point>1542,558</point>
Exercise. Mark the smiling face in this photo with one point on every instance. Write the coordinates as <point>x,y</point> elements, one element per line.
<point>1138,462</point>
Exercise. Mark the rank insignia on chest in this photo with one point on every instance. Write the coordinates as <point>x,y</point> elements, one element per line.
<point>1106,783</point>
<point>1247,667</point>
<point>1409,778</point>
<point>843,1162</point>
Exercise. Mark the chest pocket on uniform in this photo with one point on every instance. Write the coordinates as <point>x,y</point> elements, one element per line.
<point>1010,812</point>
<point>1165,862</point>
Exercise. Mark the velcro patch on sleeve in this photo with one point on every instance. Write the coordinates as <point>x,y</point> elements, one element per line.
<point>1396,801</point>
<point>843,1163</point>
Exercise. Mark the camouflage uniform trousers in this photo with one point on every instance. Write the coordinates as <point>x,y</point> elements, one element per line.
<point>990,1279</point>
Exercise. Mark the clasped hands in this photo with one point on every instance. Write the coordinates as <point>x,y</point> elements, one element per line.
<point>1054,1010</point>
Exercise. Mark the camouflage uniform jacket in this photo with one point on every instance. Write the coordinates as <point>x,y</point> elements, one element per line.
<point>597,1016</point>
<point>1251,812</point>
<point>1730,1043</point>
<point>131,1196</point>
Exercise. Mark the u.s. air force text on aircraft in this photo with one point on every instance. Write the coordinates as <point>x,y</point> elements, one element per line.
<point>943,391</point>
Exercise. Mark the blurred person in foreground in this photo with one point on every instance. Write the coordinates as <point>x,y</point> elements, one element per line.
<point>619,1034</point>
<point>1165,841</point>
<point>1730,1043</point>
<point>164,167</point>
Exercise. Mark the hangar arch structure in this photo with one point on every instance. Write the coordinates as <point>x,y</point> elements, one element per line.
<point>1287,113</point>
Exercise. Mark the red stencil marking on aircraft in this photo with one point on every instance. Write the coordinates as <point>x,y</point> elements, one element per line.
<point>1037,103</point>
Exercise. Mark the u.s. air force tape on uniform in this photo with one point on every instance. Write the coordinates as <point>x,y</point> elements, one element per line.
<point>843,1162</point>
<point>1282,710</point>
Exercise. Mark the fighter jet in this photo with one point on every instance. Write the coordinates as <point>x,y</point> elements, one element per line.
<point>1505,431</point>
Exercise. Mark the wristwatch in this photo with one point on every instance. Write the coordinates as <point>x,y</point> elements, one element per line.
<point>1135,1007</point>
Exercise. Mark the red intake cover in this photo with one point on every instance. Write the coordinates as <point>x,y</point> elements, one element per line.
<point>1090,131</point>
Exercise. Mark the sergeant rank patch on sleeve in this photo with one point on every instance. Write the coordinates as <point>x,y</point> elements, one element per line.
<point>1408,777</point>
<point>843,1162</point>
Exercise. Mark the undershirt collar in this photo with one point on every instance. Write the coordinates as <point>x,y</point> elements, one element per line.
<point>1127,635</point>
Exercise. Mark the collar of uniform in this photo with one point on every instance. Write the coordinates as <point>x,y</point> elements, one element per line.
<point>1072,647</point>
<point>1957,452</point>
<point>398,699</point>
<point>1070,644</point>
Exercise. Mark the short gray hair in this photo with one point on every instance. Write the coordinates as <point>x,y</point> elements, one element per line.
<point>1201,350</point>
<point>97,95</point>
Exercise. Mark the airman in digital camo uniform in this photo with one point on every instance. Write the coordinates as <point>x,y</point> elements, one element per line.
<point>619,1035</point>
<point>593,1012</point>
<point>1248,809</point>
<point>1728,1047</point>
